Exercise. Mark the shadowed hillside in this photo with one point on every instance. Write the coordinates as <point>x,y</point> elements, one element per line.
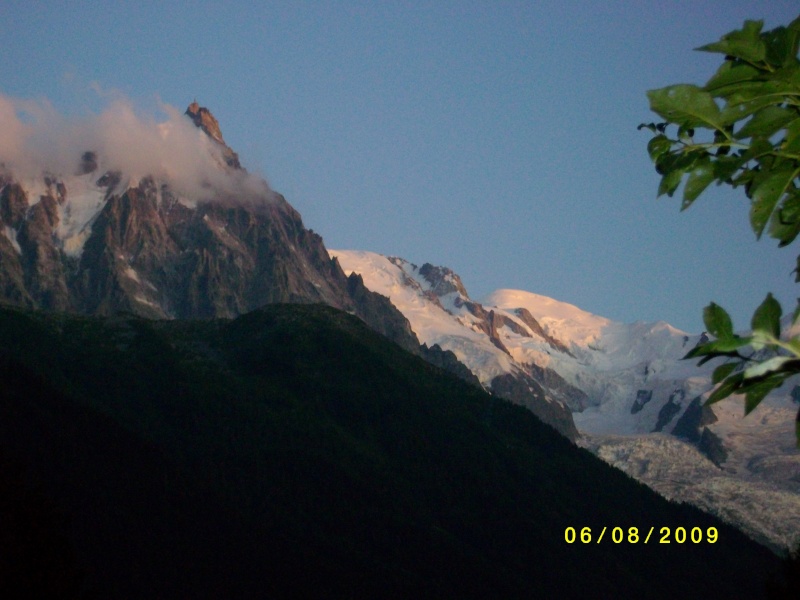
<point>293,451</point>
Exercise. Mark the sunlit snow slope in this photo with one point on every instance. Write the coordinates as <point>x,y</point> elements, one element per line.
<point>627,386</point>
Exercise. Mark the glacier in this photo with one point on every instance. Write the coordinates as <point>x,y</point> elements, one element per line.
<point>638,398</point>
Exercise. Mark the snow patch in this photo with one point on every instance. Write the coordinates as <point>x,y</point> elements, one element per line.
<point>11,234</point>
<point>131,274</point>
<point>85,200</point>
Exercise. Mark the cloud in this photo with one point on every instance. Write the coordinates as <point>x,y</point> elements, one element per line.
<point>35,139</point>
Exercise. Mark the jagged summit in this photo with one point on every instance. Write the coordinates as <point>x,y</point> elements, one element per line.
<point>206,121</point>
<point>163,228</point>
<point>164,223</point>
<point>203,118</point>
<point>443,280</point>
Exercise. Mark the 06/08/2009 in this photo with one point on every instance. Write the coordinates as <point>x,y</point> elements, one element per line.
<point>619,535</point>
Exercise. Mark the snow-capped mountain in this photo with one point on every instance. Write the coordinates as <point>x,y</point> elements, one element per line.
<point>635,402</point>
<point>104,237</point>
<point>161,220</point>
<point>120,214</point>
<point>585,362</point>
<point>442,314</point>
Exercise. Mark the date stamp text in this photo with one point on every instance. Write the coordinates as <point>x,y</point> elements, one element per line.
<point>634,535</point>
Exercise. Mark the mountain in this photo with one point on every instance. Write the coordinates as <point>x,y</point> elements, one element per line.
<point>198,240</point>
<point>442,314</point>
<point>100,241</point>
<point>635,402</point>
<point>204,240</point>
<point>294,452</point>
<point>152,365</point>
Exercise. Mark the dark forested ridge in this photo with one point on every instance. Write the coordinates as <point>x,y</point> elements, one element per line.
<point>293,452</point>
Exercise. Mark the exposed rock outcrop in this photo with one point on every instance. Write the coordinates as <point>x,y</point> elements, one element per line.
<point>447,360</point>
<point>523,389</point>
<point>693,421</point>
<point>203,119</point>
<point>670,409</point>
<point>442,280</point>
<point>642,398</point>
<point>559,388</point>
<point>692,428</point>
<point>711,445</point>
<point>439,291</point>
<point>148,251</point>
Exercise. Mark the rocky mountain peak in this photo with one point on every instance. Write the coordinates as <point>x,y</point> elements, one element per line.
<point>443,281</point>
<point>206,121</point>
<point>203,118</point>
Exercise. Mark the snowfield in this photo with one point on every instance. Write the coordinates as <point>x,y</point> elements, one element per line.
<point>636,385</point>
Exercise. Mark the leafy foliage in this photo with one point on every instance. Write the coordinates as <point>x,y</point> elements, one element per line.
<point>742,128</point>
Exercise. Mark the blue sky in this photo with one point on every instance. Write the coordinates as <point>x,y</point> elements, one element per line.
<point>496,138</point>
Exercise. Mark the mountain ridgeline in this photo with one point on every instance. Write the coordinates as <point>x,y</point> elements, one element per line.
<point>101,242</point>
<point>197,401</point>
<point>294,452</point>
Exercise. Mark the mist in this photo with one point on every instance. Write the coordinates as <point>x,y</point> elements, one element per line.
<point>37,140</point>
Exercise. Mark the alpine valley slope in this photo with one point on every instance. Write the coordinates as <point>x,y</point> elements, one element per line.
<point>294,453</point>
<point>198,238</point>
<point>635,402</point>
<point>160,220</point>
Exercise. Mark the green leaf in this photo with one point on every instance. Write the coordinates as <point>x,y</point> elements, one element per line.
<point>782,46</point>
<point>773,365</point>
<point>765,194</point>
<point>745,43</point>
<point>757,392</point>
<point>772,90</point>
<point>669,183</point>
<point>791,142</point>
<point>759,147</point>
<point>729,386</point>
<point>699,179</point>
<point>721,347</point>
<point>788,75</point>
<point>717,321</point>
<point>686,105</point>
<point>768,317</point>
<point>728,345</point>
<point>722,371</point>
<point>725,167</point>
<point>750,98</point>
<point>673,166</point>
<point>658,146</point>
<point>727,77</point>
<point>785,225</point>
<point>766,122</point>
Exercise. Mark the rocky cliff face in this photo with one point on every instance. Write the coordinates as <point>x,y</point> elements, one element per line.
<point>99,241</point>
<point>103,242</point>
<point>146,252</point>
<point>203,119</point>
<point>443,316</point>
